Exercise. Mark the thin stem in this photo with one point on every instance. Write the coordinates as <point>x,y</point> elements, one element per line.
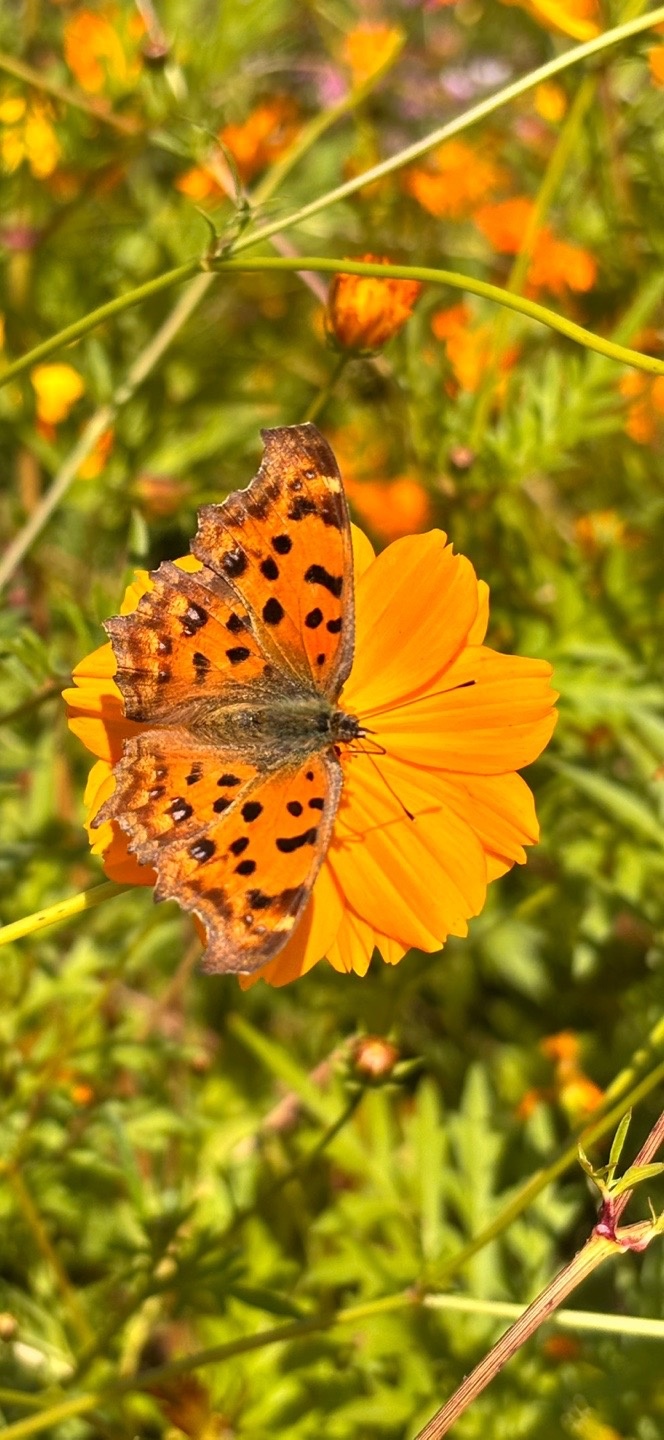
<point>331,197</point>
<point>42,1240</point>
<point>100,422</point>
<point>320,400</point>
<point>97,108</point>
<point>456,281</point>
<point>63,910</point>
<point>553,176</point>
<point>593,1254</point>
<point>587,1321</point>
<point>540,1181</point>
<point>462,122</point>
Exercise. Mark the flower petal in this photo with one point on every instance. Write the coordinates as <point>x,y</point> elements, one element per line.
<point>109,841</point>
<point>493,714</point>
<point>421,877</point>
<point>415,606</point>
<point>363,551</point>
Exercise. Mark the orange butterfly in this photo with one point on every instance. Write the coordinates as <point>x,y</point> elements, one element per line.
<point>236,668</point>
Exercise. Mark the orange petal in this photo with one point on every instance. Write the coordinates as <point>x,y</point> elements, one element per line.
<point>480,624</point>
<point>415,606</point>
<point>363,551</point>
<point>492,714</point>
<point>108,840</point>
<point>355,943</point>
<point>420,879</point>
<point>500,809</point>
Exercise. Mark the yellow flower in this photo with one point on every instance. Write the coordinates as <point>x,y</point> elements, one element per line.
<point>57,388</point>
<point>367,48</point>
<point>363,312</point>
<point>437,811</point>
<point>550,101</point>
<point>27,135</point>
<point>579,18</point>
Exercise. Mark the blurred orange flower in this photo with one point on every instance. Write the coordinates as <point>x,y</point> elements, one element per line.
<point>579,18</point>
<point>556,265</point>
<point>470,349</point>
<point>572,1089</point>
<point>254,144</point>
<point>599,530</point>
<point>27,135</point>
<point>367,48</point>
<point>96,461</point>
<point>102,48</point>
<point>57,388</point>
<point>364,312</point>
<point>390,507</point>
<point>645,414</point>
<point>656,63</point>
<point>456,178</point>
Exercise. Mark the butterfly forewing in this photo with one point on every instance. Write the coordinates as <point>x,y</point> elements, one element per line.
<point>284,546</point>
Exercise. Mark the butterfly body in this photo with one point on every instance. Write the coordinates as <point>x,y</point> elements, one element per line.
<point>237,668</point>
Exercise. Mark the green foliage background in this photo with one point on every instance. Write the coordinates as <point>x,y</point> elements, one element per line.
<point>173,1175</point>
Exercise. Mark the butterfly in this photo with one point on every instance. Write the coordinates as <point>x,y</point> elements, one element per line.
<point>233,671</point>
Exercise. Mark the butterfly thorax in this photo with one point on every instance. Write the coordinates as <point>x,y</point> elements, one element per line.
<point>281,726</point>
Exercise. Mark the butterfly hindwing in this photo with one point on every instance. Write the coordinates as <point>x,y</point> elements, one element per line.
<point>238,848</point>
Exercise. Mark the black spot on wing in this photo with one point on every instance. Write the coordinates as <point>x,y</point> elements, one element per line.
<point>273,612</point>
<point>269,568</point>
<point>251,810</point>
<point>234,563</point>
<point>294,807</point>
<point>245,867</point>
<point>313,619</point>
<point>238,654</point>
<point>202,850</point>
<point>282,544</point>
<point>180,810</point>
<point>318,575</point>
<point>194,618</point>
<point>302,507</point>
<point>239,845</point>
<point>288,843</point>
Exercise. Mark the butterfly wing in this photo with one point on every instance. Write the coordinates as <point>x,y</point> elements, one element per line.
<point>238,848</point>
<point>283,545</point>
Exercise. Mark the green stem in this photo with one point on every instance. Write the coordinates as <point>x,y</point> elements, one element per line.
<point>396,162</point>
<point>97,317</point>
<point>470,117</point>
<point>63,910</point>
<point>320,400</point>
<point>456,281</point>
<point>443,1273</point>
<point>97,108</point>
<point>553,176</point>
<point>593,1254</point>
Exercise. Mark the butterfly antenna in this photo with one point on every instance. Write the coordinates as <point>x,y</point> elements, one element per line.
<point>434,695</point>
<point>369,755</point>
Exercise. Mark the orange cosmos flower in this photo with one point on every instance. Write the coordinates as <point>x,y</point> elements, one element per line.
<point>555,265</point>
<point>390,507</point>
<point>656,63</point>
<point>451,722</point>
<point>470,348</point>
<point>581,19</point>
<point>254,144</point>
<point>363,312</point>
<point>57,388</point>
<point>645,414</point>
<point>101,49</point>
<point>367,48</point>
<point>456,178</point>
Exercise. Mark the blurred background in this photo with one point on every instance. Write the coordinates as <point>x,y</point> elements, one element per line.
<point>186,1164</point>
